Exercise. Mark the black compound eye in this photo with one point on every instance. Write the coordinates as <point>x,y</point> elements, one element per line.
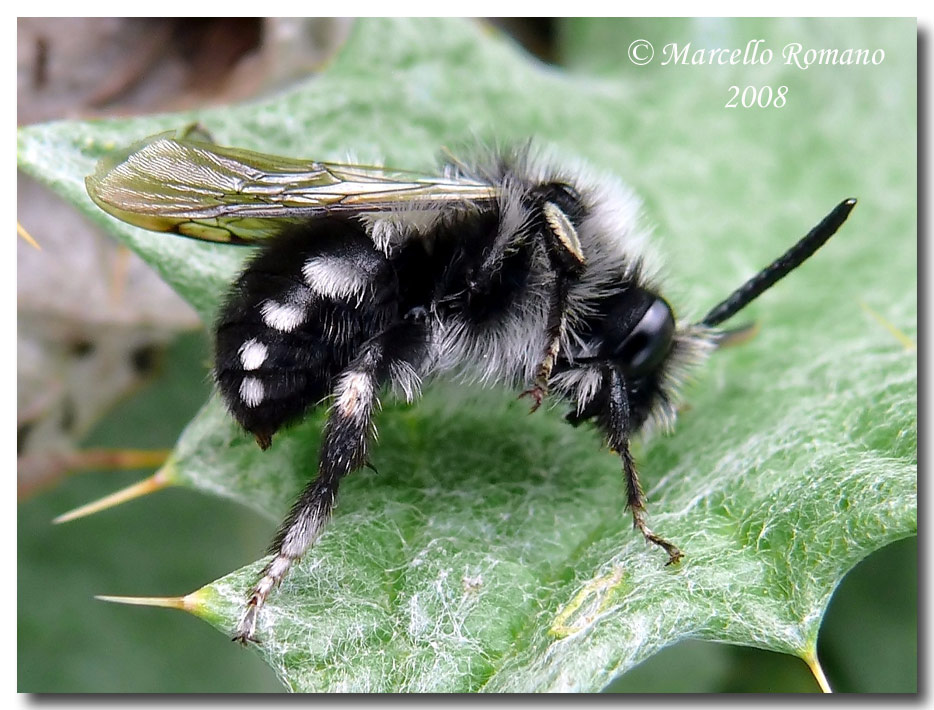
<point>565,196</point>
<point>649,342</point>
<point>568,192</point>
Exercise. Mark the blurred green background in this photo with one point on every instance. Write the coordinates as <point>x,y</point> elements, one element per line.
<point>177,540</point>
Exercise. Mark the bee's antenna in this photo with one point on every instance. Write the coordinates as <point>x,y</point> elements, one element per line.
<point>779,268</point>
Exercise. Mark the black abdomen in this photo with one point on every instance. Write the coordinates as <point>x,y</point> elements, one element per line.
<point>294,319</point>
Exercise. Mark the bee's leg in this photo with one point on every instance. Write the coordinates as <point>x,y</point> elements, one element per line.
<point>393,355</point>
<point>616,422</point>
<point>343,450</point>
<point>554,332</point>
<point>636,502</point>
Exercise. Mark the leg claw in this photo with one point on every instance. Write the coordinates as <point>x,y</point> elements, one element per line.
<point>246,628</point>
<point>537,393</point>
<point>245,640</point>
<point>674,556</point>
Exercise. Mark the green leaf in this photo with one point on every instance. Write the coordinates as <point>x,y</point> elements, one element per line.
<point>492,551</point>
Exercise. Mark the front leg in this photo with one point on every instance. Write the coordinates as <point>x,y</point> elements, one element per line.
<point>393,355</point>
<point>554,332</point>
<point>616,421</point>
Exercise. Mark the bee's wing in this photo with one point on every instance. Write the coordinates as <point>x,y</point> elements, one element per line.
<point>224,194</point>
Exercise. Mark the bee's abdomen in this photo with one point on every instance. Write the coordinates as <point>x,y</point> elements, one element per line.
<point>294,319</point>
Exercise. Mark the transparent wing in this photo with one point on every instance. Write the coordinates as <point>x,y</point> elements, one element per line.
<point>221,194</point>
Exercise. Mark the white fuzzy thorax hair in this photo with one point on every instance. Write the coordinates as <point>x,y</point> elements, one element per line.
<point>616,247</point>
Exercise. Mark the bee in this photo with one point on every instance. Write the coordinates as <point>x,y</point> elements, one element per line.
<point>503,269</point>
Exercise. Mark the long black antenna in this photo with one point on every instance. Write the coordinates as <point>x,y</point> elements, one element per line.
<point>778,269</point>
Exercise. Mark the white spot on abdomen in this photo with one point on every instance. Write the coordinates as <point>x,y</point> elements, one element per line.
<point>334,277</point>
<point>285,317</point>
<point>251,391</point>
<point>253,354</point>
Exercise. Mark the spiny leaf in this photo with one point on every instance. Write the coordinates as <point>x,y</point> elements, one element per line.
<point>492,551</point>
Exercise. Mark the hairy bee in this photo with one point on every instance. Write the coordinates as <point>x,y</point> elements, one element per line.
<point>507,269</point>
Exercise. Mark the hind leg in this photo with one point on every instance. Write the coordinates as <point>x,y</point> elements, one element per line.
<point>394,357</point>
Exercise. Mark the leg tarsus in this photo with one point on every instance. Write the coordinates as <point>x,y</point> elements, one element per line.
<point>273,573</point>
<point>554,330</point>
<point>246,627</point>
<point>540,388</point>
<point>617,422</point>
<point>636,504</point>
<point>638,521</point>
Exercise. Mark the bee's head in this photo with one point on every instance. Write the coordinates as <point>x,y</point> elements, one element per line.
<point>640,341</point>
<point>635,342</point>
<point>635,339</point>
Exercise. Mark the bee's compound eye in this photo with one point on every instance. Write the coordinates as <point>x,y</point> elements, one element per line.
<point>570,192</point>
<point>565,196</point>
<point>647,345</point>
